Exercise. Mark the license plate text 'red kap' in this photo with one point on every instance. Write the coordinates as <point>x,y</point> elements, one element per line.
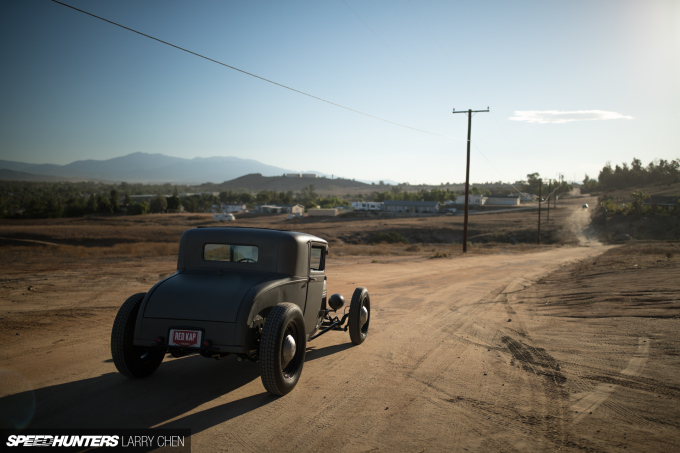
<point>185,337</point>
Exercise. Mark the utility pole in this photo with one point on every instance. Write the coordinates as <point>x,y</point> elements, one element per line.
<point>548,200</point>
<point>540,186</point>
<point>467,173</point>
<point>561,179</point>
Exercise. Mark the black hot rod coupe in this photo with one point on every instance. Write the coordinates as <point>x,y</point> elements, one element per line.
<point>256,293</point>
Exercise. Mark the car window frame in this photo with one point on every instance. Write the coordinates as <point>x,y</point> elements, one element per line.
<point>322,264</point>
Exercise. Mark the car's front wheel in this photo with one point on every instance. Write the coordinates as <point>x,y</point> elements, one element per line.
<point>359,315</point>
<point>132,361</point>
<point>282,348</point>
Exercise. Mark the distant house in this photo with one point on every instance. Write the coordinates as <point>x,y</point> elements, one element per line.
<point>231,208</point>
<point>499,200</point>
<point>367,205</point>
<point>412,207</point>
<point>140,198</point>
<point>473,199</point>
<point>268,209</point>
<point>524,196</point>
<point>301,175</point>
<point>293,208</point>
<point>322,212</point>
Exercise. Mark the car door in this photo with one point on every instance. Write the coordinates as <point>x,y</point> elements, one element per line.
<point>316,288</point>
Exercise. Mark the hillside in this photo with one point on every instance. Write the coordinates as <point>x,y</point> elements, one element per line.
<point>624,224</point>
<point>324,186</point>
<point>13,175</point>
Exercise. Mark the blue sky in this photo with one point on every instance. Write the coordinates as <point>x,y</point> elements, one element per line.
<point>571,85</point>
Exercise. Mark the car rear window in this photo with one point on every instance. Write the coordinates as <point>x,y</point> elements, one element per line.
<point>230,252</point>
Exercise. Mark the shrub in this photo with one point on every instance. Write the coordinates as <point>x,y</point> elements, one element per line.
<point>138,208</point>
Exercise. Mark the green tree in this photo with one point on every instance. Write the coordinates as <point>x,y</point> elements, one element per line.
<point>158,204</point>
<point>104,205</point>
<point>190,204</point>
<point>589,185</point>
<point>638,201</point>
<point>308,194</point>
<point>138,208</point>
<point>173,202</point>
<point>91,207</point>
<point>114,200</point>
<point>532,183</point>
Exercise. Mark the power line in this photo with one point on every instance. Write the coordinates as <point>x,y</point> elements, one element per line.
<point>254,75</point>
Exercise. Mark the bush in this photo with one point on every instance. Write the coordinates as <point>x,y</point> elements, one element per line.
<point>138,208</point>
<point>391,238</point>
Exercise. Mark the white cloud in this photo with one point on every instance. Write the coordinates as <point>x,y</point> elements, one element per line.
<point>557,116</point>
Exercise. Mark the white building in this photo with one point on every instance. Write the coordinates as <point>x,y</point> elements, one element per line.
<point>268,209</point>
<point>233,207</point>
<point>367,205</point>
<point>473,199</point>
<point>301,175</point>
<point>502,201</point>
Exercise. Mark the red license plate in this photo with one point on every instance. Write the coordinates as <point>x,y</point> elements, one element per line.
<point>185,338</point>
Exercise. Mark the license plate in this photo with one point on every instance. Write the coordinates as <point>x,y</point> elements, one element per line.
<point>185,338</point>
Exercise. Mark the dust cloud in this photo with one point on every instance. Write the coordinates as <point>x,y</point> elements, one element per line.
<point>579,226</point>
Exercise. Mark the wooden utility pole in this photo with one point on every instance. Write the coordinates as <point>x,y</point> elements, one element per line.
<point>467,173</point>
<point>540,186</point>
<point>548,219</point>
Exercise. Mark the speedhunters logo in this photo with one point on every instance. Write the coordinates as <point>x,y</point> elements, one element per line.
<point>171,440</point>
<point>33,440</point>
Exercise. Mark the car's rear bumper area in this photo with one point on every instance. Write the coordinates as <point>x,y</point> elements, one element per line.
<point>220,336</point>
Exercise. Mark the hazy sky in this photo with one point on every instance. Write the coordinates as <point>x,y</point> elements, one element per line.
<point>570,84</point>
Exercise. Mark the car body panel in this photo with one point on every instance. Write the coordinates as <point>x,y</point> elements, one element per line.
<point>202,296</point>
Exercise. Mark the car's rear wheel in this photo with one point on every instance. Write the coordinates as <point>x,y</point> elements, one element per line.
<point>359,315</point>
<point>130,360</point>
<point>282,348</point>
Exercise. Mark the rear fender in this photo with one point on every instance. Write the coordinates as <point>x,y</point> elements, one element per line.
<point>142,307</point>
<point>262,298</point>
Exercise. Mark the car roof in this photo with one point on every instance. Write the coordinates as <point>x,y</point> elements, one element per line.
<point>285,252</point>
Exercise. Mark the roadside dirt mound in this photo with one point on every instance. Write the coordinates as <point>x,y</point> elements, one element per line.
<point>611,322</point>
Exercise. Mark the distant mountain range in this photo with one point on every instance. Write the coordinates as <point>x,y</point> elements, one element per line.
<point>141,167</point>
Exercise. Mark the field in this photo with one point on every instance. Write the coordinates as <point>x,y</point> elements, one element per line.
<point>570,345</point>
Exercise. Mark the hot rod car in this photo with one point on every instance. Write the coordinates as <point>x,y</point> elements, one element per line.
<point>256,293</point>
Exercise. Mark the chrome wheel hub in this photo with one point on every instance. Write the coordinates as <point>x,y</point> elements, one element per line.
<point>363,318</point>
<point>288,349</point>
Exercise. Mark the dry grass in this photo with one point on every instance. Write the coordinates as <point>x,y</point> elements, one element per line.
<point>439,254</point>
<point>135,249</point>
<point>433,250</point>
<point>667,249</point>
<point>371,250</point>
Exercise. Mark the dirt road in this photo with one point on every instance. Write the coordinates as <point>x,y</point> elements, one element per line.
<point>461,355</point>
